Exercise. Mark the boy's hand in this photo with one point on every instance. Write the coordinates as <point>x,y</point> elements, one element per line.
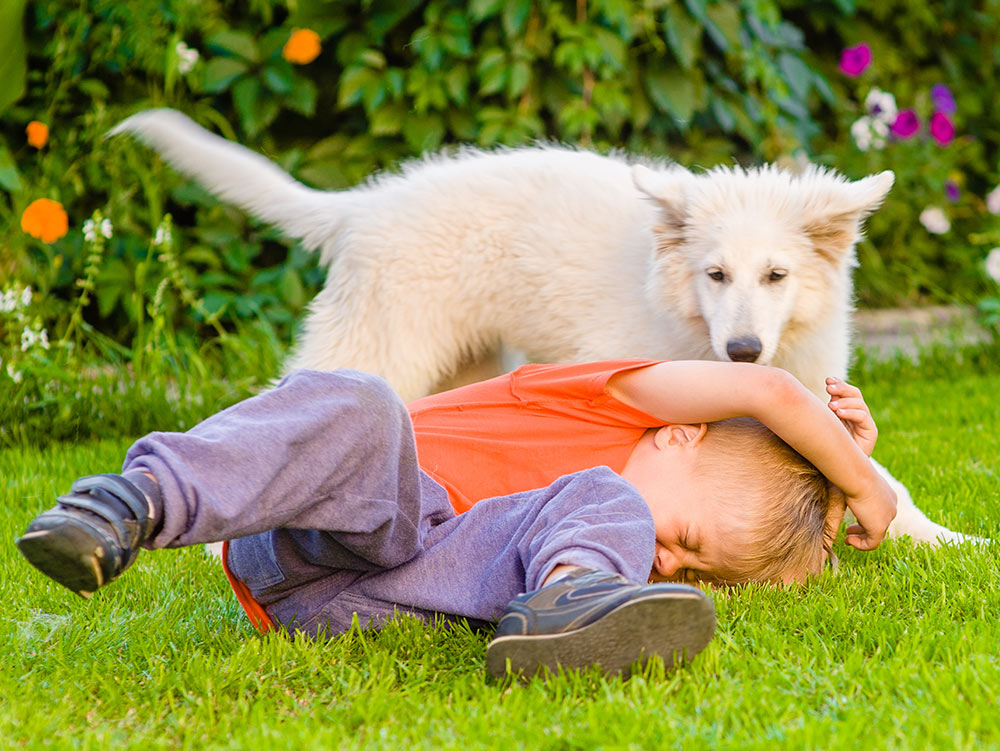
<point>848,404</point>
<point>874,510</point>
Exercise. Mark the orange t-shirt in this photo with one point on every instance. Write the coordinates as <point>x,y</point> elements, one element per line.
<point>526,429</point>
<point>516,432</point>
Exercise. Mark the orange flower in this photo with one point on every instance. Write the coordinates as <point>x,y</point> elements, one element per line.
<point>45,219</point>
<point>302,47</point>
<point>38,133</point>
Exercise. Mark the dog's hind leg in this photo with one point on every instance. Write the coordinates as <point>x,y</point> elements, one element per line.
<point>913,523</point>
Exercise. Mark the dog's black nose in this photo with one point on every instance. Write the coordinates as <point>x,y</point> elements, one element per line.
<point>746,349</point>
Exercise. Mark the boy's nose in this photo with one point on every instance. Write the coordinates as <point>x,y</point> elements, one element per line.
<point>665,563</point>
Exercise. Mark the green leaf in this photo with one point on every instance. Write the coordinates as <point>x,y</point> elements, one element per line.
<point>723,115</point>
<point>302,98</point>
<point>291,290</point>
<point>14,60</point>
<point>457,83</point>
<point>382,16</point>
<point>515,13</point>
<point>94,88</point>
<point>245,95</point>
<point>395,82</point>
<point>387,120</point>
<point>279,78</point>
<point>613,48</point>
<point>725,18</point>
<point>424,133</point>
<point>374,94</point>
<point>683,35</point>
<point>353,83</point>
<point>462,124</point>
<point>481,9</point>
<point>823,87</point>
<point>113,281</point>
<point>797,74</point>
<point>673,92</point>
<point>236,43</point>
<point>325,17</point>
<point>492,72</point>
<point>520,77</point>
<point>698,9</point>
<point>220,72</point>
<point>373,59</point>
<point>10,179</point>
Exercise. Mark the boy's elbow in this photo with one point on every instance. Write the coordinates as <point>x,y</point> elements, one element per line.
<point>783,388</point>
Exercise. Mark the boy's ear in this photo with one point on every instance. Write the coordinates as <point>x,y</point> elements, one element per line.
<point>680,435</point>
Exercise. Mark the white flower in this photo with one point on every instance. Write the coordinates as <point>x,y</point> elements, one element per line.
<point>993,200</point>
<point>91,228</point>
<point>935,220</point>
<point>162,236</point>
<point>14,374</point>
<point>8,302</point>
<point>30,337</point>
<point>26,297</point>
<point>881,105</point>
<point>993,264</point>
<point>861,131</point>
<point>869,132</point>
<point>186,58</point>
<point>880,131</point>
<point>27,339</point>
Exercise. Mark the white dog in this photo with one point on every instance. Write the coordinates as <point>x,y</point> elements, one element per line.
<point>563,254</point>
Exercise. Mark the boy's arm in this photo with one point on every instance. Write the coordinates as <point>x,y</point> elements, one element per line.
<point>696,391</point>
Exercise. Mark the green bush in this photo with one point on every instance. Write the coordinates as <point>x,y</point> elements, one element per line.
<point>703,81</point>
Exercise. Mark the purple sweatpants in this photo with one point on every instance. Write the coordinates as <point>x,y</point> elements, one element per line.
<point>316,483</point>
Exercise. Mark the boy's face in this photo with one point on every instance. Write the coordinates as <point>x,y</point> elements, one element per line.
<point>696,531</point>
<point>693,537</point>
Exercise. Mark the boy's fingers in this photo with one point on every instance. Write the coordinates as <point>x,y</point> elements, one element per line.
<point>857,537</point>
<point>848,403</point>
<point>842,388</point>
<point>852,415</point>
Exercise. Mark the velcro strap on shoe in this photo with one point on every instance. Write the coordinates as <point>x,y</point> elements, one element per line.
<point>99,507</point>
<point>121,489</point>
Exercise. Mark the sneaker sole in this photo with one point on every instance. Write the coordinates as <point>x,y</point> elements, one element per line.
<point>69,553</point>
<point>674,627</point>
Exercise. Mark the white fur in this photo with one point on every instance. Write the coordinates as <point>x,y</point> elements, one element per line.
<point>563,254</point>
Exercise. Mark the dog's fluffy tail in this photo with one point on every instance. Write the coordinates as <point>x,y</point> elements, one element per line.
<point>238,175</point>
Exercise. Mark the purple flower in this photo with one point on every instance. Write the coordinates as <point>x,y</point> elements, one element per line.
<point>855,60</point>
<point>943,99</point>
<point>942,129</point>
<point>906,124</point>
<point>952,191</point>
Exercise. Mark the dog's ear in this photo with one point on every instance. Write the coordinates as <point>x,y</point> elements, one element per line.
<point>834,224</point>
<point>668,190</point>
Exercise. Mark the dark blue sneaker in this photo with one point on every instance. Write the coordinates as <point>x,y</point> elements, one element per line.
<point>593,618</point>
<point>92,535</point>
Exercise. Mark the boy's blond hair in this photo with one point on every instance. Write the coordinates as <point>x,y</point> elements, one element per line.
<point>781,498</point>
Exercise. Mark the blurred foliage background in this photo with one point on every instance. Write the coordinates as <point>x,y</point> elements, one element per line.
<point>373,82</point>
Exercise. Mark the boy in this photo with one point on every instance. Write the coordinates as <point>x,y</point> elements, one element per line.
<point>317,486</point>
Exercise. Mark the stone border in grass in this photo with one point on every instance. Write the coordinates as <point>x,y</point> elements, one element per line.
<point>887,332</point>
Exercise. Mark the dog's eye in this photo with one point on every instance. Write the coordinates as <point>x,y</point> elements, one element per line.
<point>716,275</point>
<point>777,275</point>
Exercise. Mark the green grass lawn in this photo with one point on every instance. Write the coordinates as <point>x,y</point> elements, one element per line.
<point>898,650</point>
